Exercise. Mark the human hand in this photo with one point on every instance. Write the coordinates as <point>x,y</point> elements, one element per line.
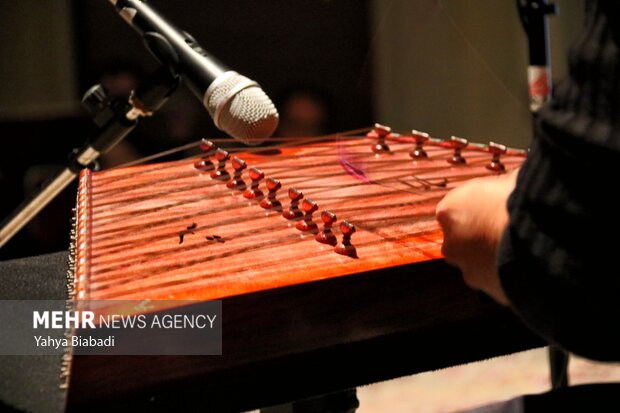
<point>473,217</point>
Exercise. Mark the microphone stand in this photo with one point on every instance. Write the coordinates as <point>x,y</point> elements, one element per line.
<point>114,119</point>
<point>533,14</point>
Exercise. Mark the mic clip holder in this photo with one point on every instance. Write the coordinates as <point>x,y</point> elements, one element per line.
<point>114,119</point>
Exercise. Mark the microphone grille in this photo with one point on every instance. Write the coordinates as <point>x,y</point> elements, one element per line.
<point>241,108</point>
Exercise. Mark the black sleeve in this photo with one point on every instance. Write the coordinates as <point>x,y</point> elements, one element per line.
<point>557,259</point>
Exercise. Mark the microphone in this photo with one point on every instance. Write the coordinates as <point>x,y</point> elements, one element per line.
<point>237,105</point>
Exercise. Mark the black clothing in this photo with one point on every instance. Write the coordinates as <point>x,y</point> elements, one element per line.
<point>557,259</point>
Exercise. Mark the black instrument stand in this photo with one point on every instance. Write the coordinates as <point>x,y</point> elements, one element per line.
<point>114,119</point>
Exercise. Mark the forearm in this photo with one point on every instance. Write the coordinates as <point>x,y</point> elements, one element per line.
<point>473,217</point>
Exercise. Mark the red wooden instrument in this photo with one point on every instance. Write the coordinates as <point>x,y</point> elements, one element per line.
<point>228,224</point>
<point>317,221</point>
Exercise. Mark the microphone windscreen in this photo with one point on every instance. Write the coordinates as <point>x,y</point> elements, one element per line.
<point>241,108</point>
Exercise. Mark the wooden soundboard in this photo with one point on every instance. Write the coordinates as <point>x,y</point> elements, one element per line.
<point>172,231</point>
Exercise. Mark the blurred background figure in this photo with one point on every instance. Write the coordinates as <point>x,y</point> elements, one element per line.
<point>305,110</point>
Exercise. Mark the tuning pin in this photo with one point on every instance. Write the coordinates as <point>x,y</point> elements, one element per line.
<point>236,182</point>
<point>253,192</point>
<point>420,138</point>
<point>380,132</point>
<point>221,174</point>
<point>209,149</point>
<point>270,202</point>
<point>326,236</point>
<point>308,206</point>
<point>293,211</point>
<point>457,144</point>
<point>345,247</point>
<point>497,150</point>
